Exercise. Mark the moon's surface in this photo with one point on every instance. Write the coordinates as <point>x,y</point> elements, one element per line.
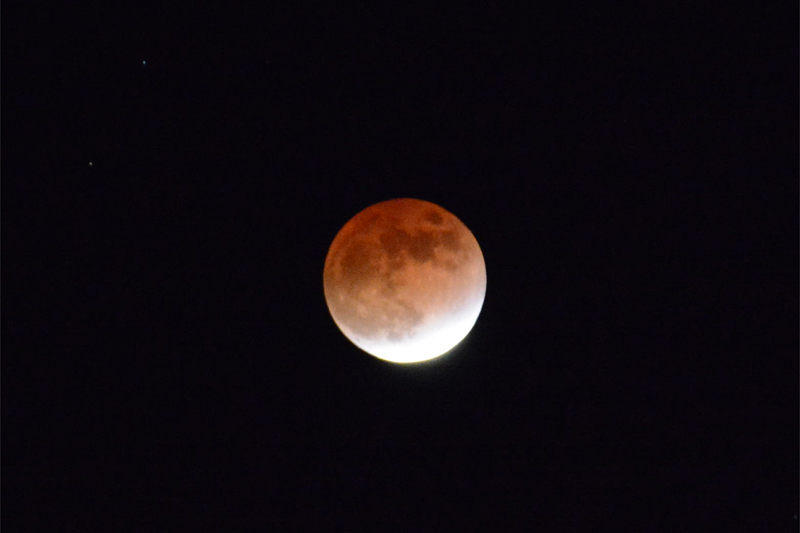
<point>405,280</point>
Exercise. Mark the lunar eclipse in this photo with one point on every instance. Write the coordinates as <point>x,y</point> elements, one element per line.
<point>405,280</point>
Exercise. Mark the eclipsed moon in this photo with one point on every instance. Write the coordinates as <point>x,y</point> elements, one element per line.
<point>405,280</point>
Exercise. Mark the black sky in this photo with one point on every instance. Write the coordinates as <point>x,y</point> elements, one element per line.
<point>169,362</point>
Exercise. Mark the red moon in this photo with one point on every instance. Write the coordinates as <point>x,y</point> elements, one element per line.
<point>405,280</point>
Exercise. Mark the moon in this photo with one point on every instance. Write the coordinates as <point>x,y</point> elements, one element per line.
<point>405,280</point>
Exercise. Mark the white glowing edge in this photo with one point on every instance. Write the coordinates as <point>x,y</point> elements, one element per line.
<point>429,343</point>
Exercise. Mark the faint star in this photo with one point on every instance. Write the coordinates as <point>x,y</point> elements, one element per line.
<point>90,163</point>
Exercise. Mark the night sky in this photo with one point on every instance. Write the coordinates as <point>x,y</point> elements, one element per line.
<point>172,180</point>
